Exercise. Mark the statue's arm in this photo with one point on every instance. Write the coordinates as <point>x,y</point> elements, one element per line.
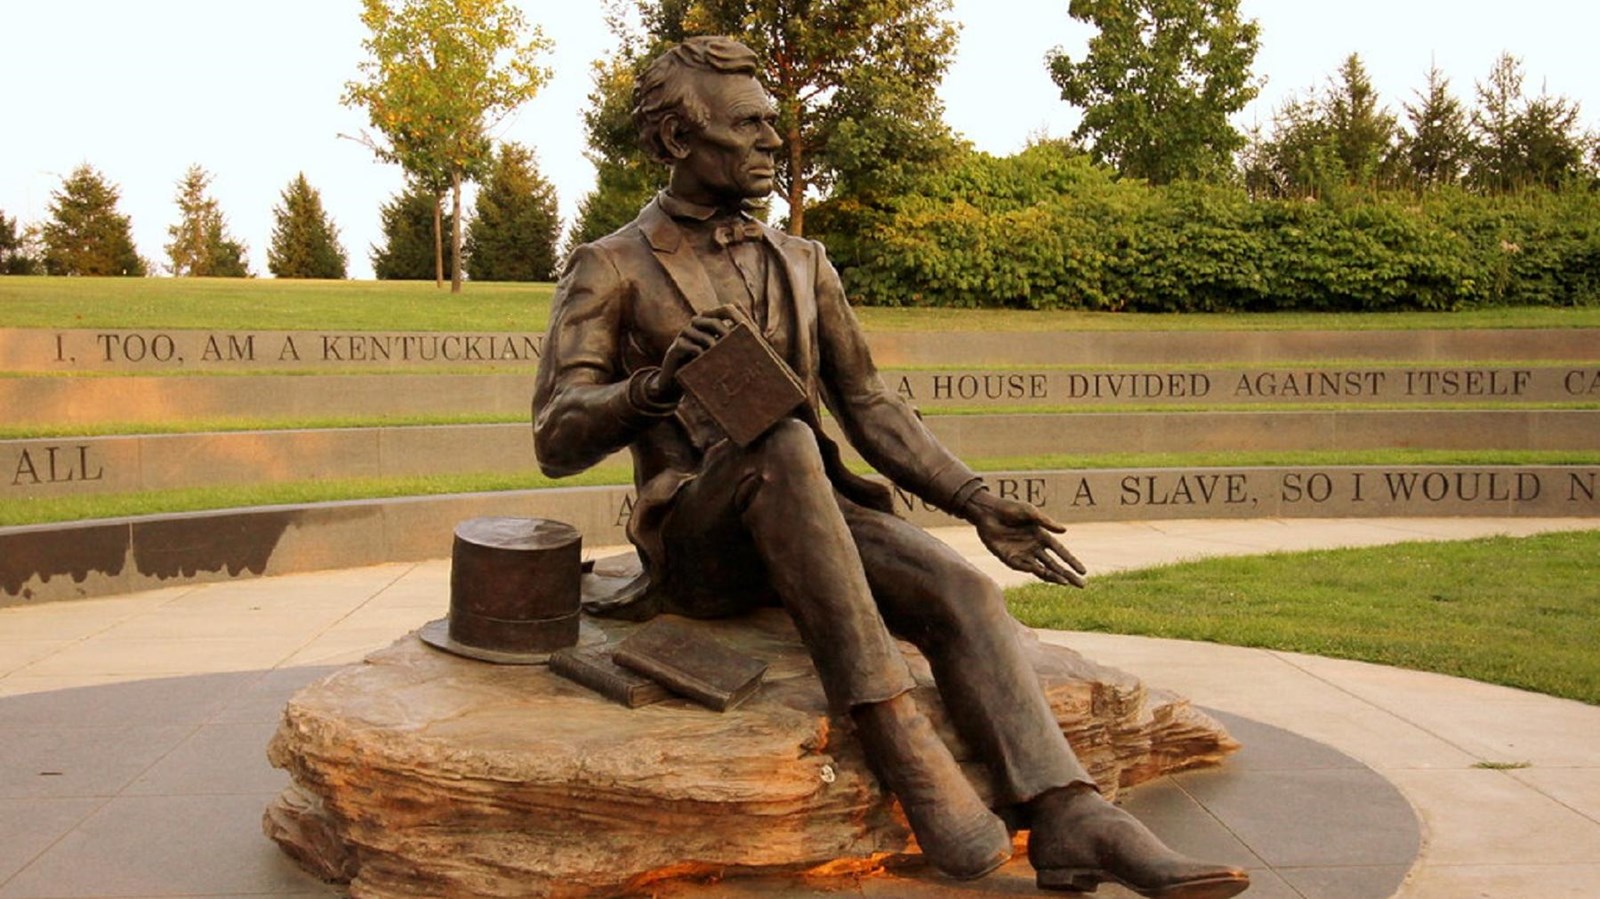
<point>585,406</point>
<point>877,421</point>
<point>883,428</point>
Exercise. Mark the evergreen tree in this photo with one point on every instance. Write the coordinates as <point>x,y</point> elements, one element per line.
<point>513,235</point>
<point>409,246</point>
<point>620,190</point>
<point>1301,158</point>
<point>1326,139</point>
<point>201,246</point>
<point>305,242</point>
<point>1362,132</point>
<point>86,235</point>
<point>15,257</point>
<point>1158,84</point>
<point>1495,166</point>
<point>1521,142</point>
<point>1436,149</point>
<point>624,179</point>
<point>1551,144</point>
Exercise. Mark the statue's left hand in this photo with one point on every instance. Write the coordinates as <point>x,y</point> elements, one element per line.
<point>1023,537</point>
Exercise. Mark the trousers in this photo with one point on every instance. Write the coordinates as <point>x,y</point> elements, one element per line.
<point>764,522</point>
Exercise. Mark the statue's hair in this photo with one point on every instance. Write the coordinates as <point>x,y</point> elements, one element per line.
<point>665,87</point>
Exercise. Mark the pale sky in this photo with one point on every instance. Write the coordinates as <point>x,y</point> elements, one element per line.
<point>250,91</point>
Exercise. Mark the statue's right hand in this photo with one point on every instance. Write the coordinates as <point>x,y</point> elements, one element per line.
<point>700,334</point>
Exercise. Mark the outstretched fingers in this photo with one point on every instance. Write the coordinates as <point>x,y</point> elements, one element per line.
<point>1064,554</point>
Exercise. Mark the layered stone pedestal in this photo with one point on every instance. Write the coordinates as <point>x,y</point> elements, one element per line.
<point>421,774</point>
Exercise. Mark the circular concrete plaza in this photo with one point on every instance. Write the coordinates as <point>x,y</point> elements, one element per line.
<point>133,733</point>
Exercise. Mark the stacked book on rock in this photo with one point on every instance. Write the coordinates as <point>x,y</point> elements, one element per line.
<point>666,658</point>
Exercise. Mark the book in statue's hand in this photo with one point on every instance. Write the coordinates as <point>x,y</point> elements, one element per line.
<point>594,667</point>
<point>742,384</point>
<point>691,664</point>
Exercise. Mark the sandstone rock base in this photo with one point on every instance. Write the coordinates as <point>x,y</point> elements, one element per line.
<point>421,774</point>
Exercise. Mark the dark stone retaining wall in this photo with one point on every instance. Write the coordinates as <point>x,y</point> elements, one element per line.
<point>96,558</point>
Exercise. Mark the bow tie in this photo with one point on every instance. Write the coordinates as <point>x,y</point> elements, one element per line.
<point>734,232</point>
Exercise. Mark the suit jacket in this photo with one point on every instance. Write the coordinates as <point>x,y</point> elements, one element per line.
<point>621,302</point>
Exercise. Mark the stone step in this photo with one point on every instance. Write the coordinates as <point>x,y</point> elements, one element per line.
<point>160,400</point>
<point>155,400</point>
<point>40,563</point>
<point>123,464</point>
<point>173,351</point>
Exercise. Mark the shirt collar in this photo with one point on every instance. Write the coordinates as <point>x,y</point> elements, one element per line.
<point>684,210</point>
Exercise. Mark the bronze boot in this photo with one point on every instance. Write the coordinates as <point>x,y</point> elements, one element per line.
<point>957,832</point>
<point>1080,841</point>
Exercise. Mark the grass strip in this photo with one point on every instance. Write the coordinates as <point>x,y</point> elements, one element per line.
<point>227,425</point>
<point>1284,405</point>
<point>43,510</point>
<point>233,424</point>
<point>1296,458</point>
<point>1012,320</point>
<point>888,373</point>
<point>248,304</point>
<point>270,305</point>
<point>1523,612</point>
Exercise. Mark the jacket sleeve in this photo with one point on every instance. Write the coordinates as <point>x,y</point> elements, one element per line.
<point>585,406</point>
<point>877,421</point>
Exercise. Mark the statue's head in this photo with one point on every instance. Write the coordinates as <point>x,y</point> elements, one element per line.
<point>700,109</point>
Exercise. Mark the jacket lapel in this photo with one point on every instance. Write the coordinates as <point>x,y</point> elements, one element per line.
<point>799,317</point>
<point>673,252</point>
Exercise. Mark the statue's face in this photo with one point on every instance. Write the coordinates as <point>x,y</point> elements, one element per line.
<point>731,159</point>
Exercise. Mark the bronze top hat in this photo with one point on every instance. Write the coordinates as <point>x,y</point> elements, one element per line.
<point>514,591</point>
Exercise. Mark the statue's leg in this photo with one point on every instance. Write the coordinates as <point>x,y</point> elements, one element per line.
<point>955,614</point>
<point>773,500</point>
<point>957,617</point>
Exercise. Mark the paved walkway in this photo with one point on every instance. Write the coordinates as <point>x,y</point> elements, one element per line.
<point>132,728</point>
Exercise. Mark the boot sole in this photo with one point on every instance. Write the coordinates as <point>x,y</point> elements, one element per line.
<point>1086,880</point>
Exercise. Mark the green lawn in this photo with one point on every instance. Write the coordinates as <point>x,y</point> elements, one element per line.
<point>266,304</point>
<point>270,305</point>
<point>1520,612</point>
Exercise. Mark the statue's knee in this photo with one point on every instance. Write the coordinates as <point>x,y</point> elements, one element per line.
<point>785,460</point>
<point>972,603</point>
<point>789,446</point>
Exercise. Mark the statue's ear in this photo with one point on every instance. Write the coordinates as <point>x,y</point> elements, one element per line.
<point>674,134</point>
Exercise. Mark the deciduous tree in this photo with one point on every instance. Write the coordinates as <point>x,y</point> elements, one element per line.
<point>201,246</point>
<point>305,242</point>
<point>832,67</point>
<point>1158,84</point>
<point>439,75</point>
<point>85,234</point>
<point>408,252</point>
<point>843,73</point>
<point>513,233</point>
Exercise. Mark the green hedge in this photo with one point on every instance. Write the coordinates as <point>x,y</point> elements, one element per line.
<point>1045,229</point>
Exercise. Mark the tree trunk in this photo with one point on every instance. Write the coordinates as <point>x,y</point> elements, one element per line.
<point>438,240</point>
<point>797,182</point>
<point>455,232</point>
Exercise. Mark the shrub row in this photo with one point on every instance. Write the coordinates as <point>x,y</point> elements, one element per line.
<point>1047,230</point>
